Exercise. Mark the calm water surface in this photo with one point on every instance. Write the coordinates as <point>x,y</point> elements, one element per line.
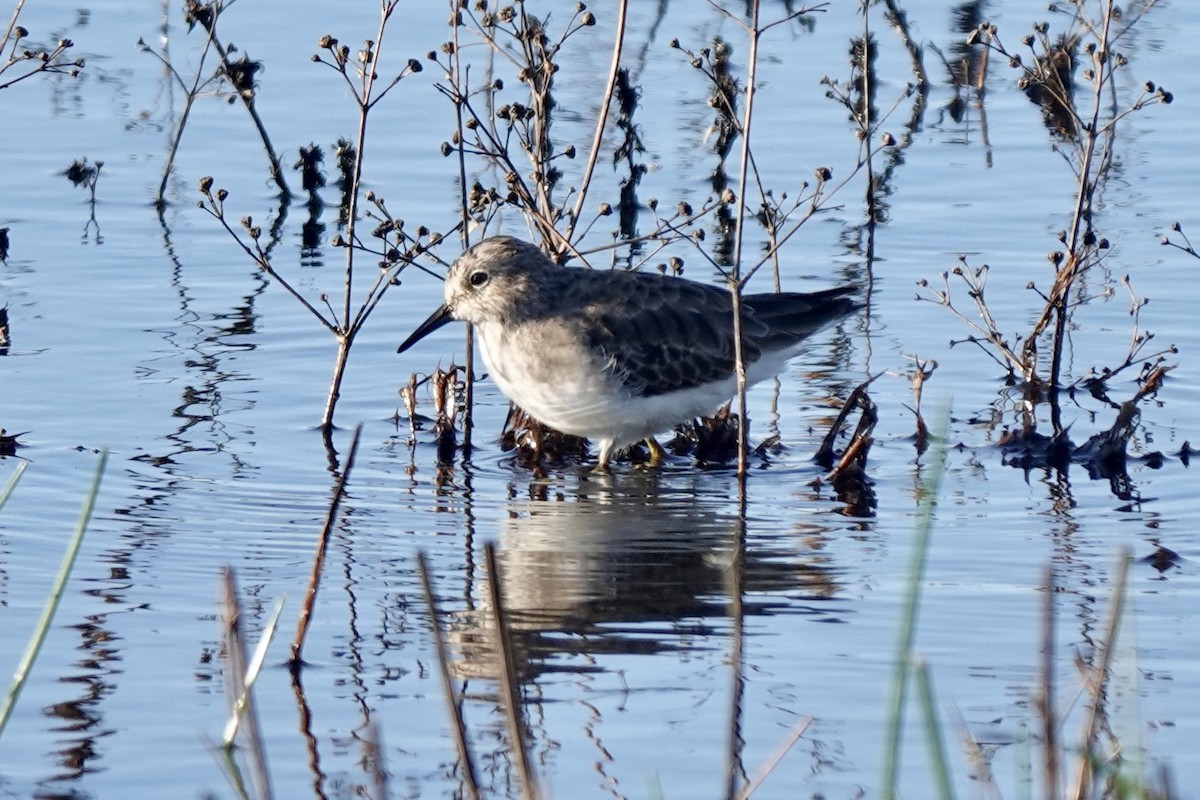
<point>155,337</point>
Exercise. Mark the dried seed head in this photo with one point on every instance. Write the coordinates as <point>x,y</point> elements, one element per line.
<point>652,204</point>
<point>605,210</point>
<point>588,19</point>
<point>414,65</point>
<point>247,221</point>
<point>206,184</point>
<point>823,174</point>
<point>21,31</point>
<point>685,209</point>
<point>888,140</point>
<point>569,152</point>
<point>1055,257</point>
<point>727,196</point>
<point>326,42</point>
<point>221,195</point>
<point>447,149</point>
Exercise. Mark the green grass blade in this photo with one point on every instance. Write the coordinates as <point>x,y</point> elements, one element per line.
<point>930,487</point>
<point>933,732</point>
<point>56,593</point>
<point>12,482</point>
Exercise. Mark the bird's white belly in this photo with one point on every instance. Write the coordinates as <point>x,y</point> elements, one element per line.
<point>561,385</point>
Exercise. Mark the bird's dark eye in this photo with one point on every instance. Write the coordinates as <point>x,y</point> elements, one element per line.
<point>478,278</point>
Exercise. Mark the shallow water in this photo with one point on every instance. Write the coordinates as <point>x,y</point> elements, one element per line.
<point>157,338</point>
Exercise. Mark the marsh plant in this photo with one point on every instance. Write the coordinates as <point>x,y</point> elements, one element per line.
<point>22,58</point>
<point>1073,78</point>
<point>394,248</point>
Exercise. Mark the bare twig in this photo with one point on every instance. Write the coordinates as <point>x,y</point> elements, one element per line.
<point>598,136</point>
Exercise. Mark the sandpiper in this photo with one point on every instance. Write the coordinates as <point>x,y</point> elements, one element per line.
<point>617,356</point>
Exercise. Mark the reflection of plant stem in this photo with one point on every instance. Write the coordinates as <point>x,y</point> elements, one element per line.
<point>452,698</point>
<point>314,579</point>
<point>1097,682</point>
<point>506,672</point>
<point>735,586</point>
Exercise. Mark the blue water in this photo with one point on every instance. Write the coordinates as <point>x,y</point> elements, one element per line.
<point>158,339</point>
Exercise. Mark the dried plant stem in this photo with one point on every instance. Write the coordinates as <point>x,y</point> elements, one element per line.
<point>453,702</point>
<point>21,673</point>
<point>781,750</point>
<point>12,22</point>
<point>314,579</point>
<point>464,233</point>
<point>1098,680</point>
<point>1076,256</point>
<point>506,673</point>
<point>189,100</point>
<point>241,699</point>
<point>12,482</point>
<point>598,136</point>
<point>346,329</point>
<point>735,282</point>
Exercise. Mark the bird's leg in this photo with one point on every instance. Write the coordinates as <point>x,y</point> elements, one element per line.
<point>602,462</point>
<point>657,454</point>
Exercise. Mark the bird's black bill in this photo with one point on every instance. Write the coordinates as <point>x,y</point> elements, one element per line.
<point>435,321</point>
